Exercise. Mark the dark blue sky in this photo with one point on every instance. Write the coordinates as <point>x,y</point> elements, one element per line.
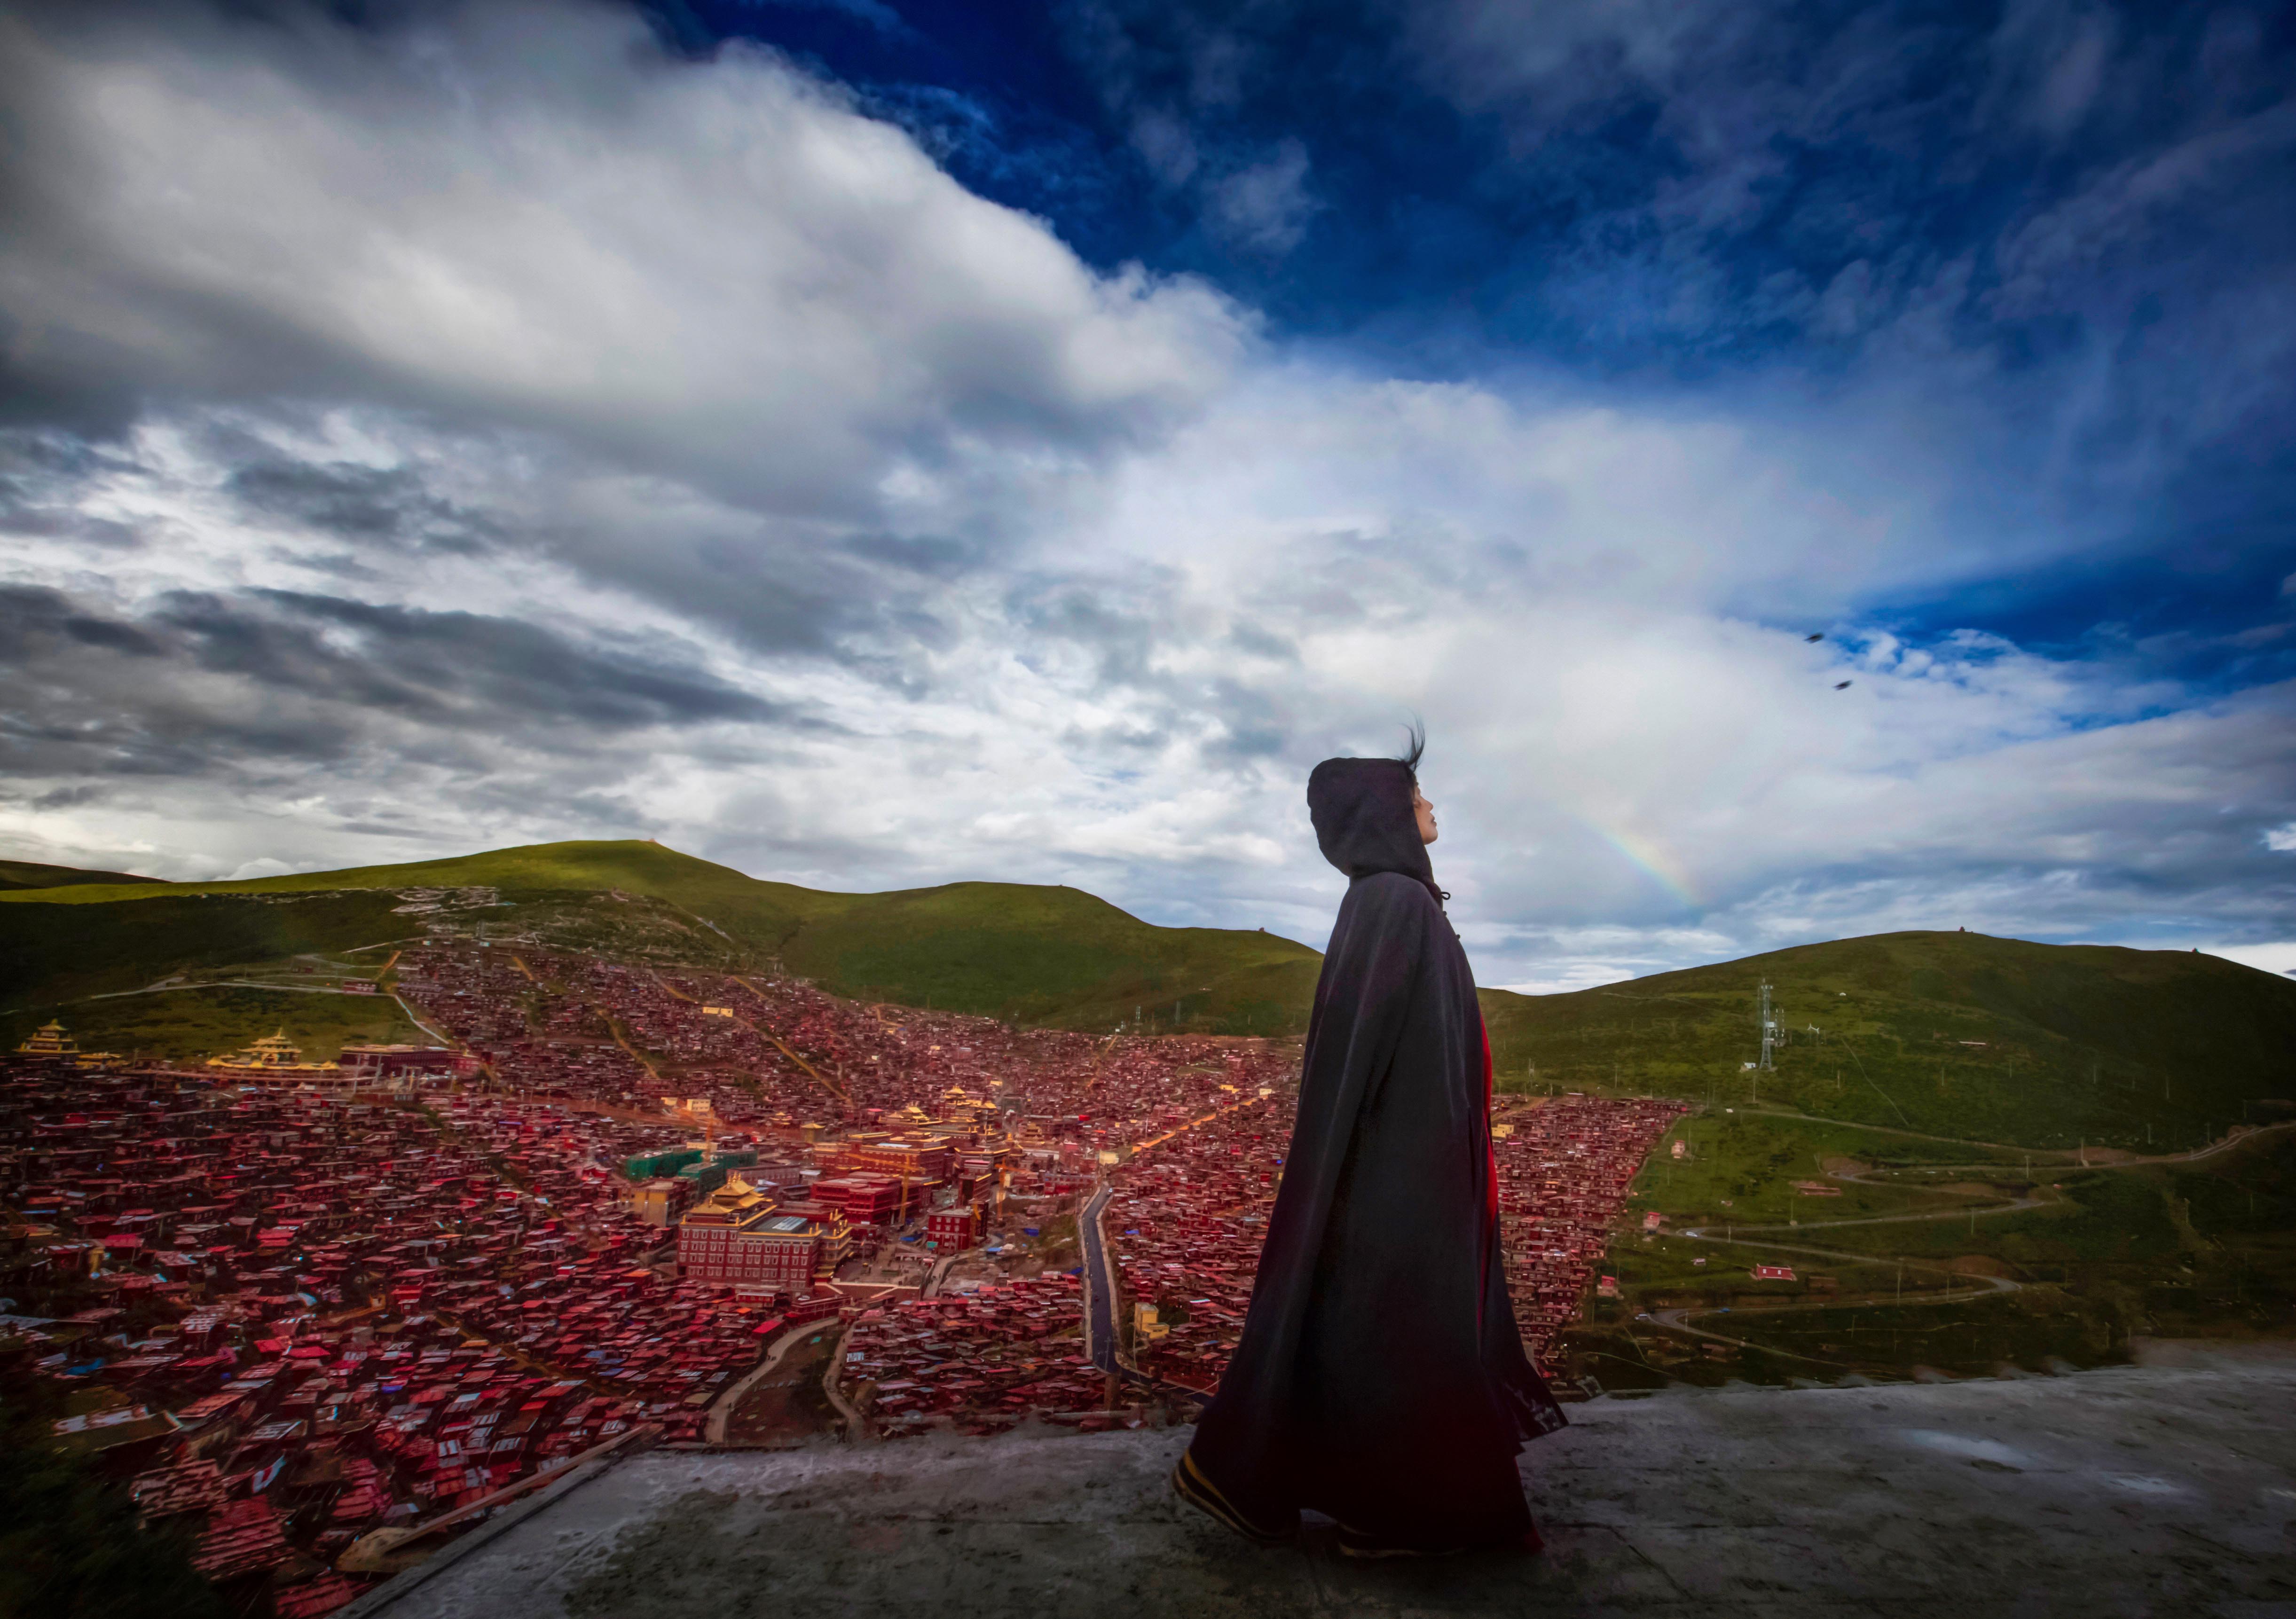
<point>2054,240</point>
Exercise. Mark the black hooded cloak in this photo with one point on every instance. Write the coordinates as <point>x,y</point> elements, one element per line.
<point>1380,1377</point>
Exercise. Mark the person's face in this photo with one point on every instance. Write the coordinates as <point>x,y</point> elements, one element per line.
<point>1425,814</point>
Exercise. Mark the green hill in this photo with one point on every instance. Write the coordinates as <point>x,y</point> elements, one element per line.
<point>1054,956</point>
<point>184,1025</point>
<point>28,874</point>
<point>1952,1035</point>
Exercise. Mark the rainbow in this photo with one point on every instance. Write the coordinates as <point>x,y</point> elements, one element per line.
<point>1658,863</point>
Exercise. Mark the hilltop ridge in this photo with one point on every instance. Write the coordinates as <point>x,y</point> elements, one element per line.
<point>1036,953</point>
<point>31,874</point>
<point>1950,1033</point>
<point>1955,1034</point>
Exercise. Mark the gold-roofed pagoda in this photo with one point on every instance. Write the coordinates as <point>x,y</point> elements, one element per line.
<point>50,1043</point>
<point>959,1105</point>
<point>274,1057</point>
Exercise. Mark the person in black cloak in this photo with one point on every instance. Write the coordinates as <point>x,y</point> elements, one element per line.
<point>1380,1377</point>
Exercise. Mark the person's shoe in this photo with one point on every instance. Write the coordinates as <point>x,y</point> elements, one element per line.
<point>1355,1544</point>
<point>1190,1484</point>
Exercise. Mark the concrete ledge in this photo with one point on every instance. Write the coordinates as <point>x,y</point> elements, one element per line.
<point>387,1595</point>
<point>2142,1490</point>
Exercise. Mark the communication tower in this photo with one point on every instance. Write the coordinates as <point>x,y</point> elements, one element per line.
<point>1769,1029</point>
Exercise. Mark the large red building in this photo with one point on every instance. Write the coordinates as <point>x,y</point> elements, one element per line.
<point>916,1161</point>
<point>869,1199</point>
<point>952,1229</point>
<point>740,1237</point>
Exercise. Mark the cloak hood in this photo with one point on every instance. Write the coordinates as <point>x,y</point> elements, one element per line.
<point>1361,809</point>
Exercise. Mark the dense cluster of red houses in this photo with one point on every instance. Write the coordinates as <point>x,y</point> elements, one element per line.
<point>292,1318</point>
<point>779,1052</point>
<point>304,1318</point>
<point>977,1360</point>
<point>1185,1230</point>
<point>1564,1169</point>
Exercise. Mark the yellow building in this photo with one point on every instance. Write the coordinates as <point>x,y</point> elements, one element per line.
<point>274,1057</point>
<point>957,1106</point>
<point>52,1043</point>
<point>658,1202</point>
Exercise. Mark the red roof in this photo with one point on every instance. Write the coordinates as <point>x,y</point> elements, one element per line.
<point>242,1538</point>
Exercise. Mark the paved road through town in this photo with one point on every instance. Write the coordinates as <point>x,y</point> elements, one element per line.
<point>1099,1284</point>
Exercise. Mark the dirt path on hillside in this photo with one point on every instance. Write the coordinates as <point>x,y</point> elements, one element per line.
<point>2081,1156</point>
<point>1759,1239</point>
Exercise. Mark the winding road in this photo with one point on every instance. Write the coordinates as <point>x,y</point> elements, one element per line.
<point>1738,1235</point>
<point>1679,1319</point>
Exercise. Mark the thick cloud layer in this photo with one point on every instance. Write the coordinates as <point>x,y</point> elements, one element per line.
<point>486,425</point>
<point>523,212</point>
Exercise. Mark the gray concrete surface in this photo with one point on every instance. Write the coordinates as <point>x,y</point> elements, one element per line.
<point>2168,1488</point>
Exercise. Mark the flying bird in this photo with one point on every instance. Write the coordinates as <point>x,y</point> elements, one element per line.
<point>1820,636</point>
<point>1842,685</point>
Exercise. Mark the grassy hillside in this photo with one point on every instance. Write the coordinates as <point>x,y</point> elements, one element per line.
<point>1054,956</point>
<point>53,951</point>
<point>184,1025</point>
<point>1955,1034</point>
<point>30,873</point>
<point>1904,1267</point>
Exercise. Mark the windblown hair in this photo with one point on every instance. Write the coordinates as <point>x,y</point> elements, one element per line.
<point>1415,735</point>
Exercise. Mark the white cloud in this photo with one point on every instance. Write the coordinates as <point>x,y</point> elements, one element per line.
<point>2281,840</point>
<point>921,551</point>
<point>2279,957</point>
<point>523,212</point>
<point>1631,777</point>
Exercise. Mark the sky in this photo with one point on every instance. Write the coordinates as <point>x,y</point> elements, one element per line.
<point>1814,470</point>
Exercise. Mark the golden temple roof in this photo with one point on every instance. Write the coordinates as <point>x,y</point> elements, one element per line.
<point>273,1054</point>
